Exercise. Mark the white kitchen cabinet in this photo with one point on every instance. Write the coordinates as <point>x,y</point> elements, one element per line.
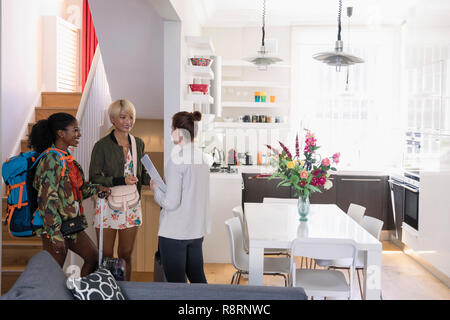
<point>225,194</point>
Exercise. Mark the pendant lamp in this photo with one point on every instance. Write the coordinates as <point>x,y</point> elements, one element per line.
<point>263,58</point>
<point>338,58</point>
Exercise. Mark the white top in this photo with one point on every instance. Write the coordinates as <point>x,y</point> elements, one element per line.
<point>185,210</point>
<point>275,225</point>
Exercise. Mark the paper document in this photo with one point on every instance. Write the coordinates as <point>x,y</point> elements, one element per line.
<point>153,173</point>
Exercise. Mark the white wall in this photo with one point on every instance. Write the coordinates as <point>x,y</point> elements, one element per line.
<point>21,66</point>
<point>130,35</point>
<point>190,26</point>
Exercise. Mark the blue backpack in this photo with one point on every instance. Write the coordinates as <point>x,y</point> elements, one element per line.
<point>23,216</point>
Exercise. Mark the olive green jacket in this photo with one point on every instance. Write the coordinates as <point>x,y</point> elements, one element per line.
<point>107,163</point>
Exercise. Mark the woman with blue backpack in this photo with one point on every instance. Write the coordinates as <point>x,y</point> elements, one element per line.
<point>61,186</point>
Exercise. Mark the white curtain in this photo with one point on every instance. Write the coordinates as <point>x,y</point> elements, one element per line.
<point>363,120</point>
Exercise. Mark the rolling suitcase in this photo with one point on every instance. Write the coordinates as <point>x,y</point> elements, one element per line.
<point>115,265</point>
<point>158,271</point>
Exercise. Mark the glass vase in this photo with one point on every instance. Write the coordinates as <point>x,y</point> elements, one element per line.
<point>303,207</point>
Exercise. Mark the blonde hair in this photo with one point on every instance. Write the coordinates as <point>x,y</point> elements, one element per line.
<point>121,104</point>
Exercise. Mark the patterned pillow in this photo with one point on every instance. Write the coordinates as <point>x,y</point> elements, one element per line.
<point>99,285</point>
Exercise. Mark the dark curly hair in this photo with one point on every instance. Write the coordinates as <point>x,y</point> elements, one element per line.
<point>43,133</point>
<point>186,120</point>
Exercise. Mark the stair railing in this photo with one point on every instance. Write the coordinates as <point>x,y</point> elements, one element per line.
<point>92,116</point>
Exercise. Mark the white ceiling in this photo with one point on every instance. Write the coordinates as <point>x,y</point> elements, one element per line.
<point>246,13</point>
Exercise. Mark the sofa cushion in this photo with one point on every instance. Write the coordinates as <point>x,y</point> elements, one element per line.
<point>43,279</point>
<point>99,285</point>
<point>197,291</point>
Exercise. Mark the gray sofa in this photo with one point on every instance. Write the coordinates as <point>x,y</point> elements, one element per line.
<point>43,279</point>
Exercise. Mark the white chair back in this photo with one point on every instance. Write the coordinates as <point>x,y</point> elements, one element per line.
<point>280,200</point>
<point>237,212</point>
<point>325,248</point>
<point>373,226</point>
<point>356,212</point>
<point>239,257</point>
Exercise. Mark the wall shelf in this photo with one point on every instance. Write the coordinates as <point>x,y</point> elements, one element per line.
<point>251,125</point>
<point>241,104</point>
<point>199,98</point>
<point>201,45</point>
<point>256,84</point>
<point>200,72</point>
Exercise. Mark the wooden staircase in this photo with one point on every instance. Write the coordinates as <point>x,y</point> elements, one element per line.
<point>17,251</point>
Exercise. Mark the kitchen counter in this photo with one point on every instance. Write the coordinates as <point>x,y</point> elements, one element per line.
<point>268,170</point>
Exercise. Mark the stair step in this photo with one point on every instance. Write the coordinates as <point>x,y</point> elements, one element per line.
<point>8,280</point>
<point>45,112</point>
<point>24,145</point>
<point>9,269</point>
<point>6,237</point>
<point>30,126</point>
<point>56,99</point>
<point>14,254</point>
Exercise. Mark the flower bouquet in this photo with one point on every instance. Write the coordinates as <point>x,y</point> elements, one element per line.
<point>307,175</point>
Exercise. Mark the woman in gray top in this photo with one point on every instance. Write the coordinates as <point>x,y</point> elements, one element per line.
<point>185,217</point>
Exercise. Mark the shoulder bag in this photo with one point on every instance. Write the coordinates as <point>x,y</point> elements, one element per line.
<point>125,197</point>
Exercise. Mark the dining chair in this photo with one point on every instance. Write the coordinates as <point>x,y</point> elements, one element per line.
<point>374,227</point>
<point>237,212</point>
<point>356,212</point>
<point>323,282</point>
<point>239,258</point>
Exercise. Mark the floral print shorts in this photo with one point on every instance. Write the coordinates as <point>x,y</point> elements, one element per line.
<point>115,219</point>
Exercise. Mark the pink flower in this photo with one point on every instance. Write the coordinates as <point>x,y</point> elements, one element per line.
<point>302,183</point>
<point>326,162</point>
<point>336,157</point>
<point>304,174</point>
<point>322,181</point>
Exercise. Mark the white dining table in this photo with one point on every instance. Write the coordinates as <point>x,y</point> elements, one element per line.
<point>276,225</point>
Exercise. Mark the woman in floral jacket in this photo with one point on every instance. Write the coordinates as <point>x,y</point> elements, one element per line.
<point>61,187</point>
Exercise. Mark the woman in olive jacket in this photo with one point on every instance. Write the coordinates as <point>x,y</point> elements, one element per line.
<point>112,165</point>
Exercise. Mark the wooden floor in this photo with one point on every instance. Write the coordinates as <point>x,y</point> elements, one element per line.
<point>402,278</point>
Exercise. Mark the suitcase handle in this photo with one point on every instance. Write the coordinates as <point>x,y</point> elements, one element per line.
<point>101,195</point>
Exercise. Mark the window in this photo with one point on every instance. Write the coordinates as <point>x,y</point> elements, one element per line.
<point>364,123</point>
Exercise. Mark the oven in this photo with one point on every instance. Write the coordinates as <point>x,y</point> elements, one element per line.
<point>405,190</point>
<point>411,206</point>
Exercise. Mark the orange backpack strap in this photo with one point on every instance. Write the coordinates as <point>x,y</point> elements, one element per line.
<point>62,157</point>
<point>21,186</point>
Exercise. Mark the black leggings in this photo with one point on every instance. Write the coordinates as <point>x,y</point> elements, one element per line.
<point>181,258</point>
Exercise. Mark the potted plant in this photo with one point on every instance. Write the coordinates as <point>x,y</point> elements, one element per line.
<point>306,174</point>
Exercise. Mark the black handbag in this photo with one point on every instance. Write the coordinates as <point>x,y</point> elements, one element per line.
<point>72,226</point>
